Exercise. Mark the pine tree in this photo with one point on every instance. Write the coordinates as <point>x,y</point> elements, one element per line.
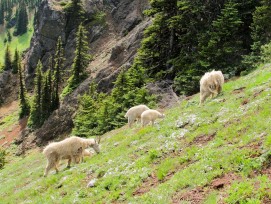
<point>58,68</point>
<point>86,121</point>
<point>8,12</point>
<point>82,57</point>
<point>159,44</point>
<point>80,61</point>
<point>46,98</point>
<point>1,14</point>
<point>15,62</point>
<point>223,46</point>
<point>261,27</point>
<point>50,82</point>
<point>9,38</point>
<point>22,20</point>
<point>24,103</point>
<point>75,14</point>
<point>8,61</point>
<point>35,119</point>
<point>120,86</point>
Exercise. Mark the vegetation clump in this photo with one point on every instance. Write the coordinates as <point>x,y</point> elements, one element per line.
<point>3,154</point>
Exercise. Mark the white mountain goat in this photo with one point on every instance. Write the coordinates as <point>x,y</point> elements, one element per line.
<point>210,84</point>
<point>135,113</point>
<point>219,80</point>
<point>70,148</point>
<point>150,116</point>
<point>81,157</point>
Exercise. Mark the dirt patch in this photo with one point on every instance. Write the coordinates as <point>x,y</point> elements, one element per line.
<point>238,90</point>
<point>266,201</point>
<point>203,139</point>
<point>256,145</point>
<point>267,171</point>
<point>194,196</point>
<point>199,194</point>
<point>224,180</point>
<point>257,93</point>
<point>149,183</point>
<point>230,122</point>
<point>152,181</point>
<point>244,102</point>
<point>9,134</point>
<point>9,108</point>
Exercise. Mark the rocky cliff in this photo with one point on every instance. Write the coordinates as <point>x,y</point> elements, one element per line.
<point>113,44</point>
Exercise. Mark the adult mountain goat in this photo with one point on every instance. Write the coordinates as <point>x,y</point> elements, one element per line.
<point>135,113</point>
<point>70,148</point>
<point>210,84</point>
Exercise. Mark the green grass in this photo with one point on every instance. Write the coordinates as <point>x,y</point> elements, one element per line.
<point>20,42</point>
<point>227,135</point>
<point>9,120</point>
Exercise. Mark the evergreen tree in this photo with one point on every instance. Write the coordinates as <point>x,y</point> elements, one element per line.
<point>22,20</point>
<point>8,61</point>
<point>82,57</point>
<point>75,14</point>
<point>50,82</point>
<point>181,43</point>
<point>223,46</point>
<point>15,62</point>
<point>36,119</point>
<point>8,12</point>
<point>261,27</point>
<point>80,61</point>
<point>86,121</point>
<point>24,103</point>
<point>59,63</point>
<point>99,113</point>
<point>46,98</point>
<point>9,38</point>
<point>1,14</point>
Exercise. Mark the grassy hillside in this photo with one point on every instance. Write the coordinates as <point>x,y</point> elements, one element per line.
<point>21,42</point>
<point>219,153</point>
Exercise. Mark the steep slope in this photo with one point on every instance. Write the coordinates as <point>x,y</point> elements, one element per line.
<point>113,45</point>
<point>217,153</point>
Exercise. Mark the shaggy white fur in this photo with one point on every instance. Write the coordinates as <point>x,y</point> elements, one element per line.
<point>135,113</point>
<point>150,116</point>
<point>69,148</point>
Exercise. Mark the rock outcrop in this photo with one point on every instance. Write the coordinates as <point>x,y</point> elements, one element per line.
<point>8,87</point>
<point>113,45</point>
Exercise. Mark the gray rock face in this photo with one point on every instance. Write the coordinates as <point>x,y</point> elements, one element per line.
<point>50,25</point>
<point>127,14</point>
<point>4,78</point>
<point>8,87</point>
<point>163,89</point>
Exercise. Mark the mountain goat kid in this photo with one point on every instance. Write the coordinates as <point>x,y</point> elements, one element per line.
<point>210,84</point>
<point>135,113</point>
<point>80,158</point>
<point>70,148</point>
<point>150,116</point>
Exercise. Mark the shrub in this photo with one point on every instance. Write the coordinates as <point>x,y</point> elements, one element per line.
<point>3,154</point>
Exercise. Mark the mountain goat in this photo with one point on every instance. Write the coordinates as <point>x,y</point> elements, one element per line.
<point>150,116</point>
<point>80,158</point>
<point>210,84</point>
<point>219,80</point>
<point>135,113</point>
<point>70,148</point>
